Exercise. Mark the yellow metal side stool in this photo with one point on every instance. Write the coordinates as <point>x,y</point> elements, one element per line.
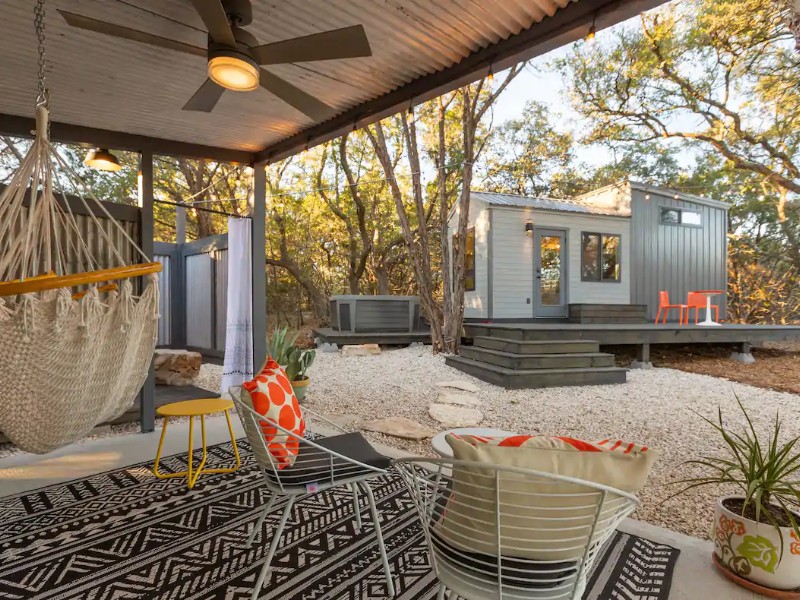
<point>192,409</point>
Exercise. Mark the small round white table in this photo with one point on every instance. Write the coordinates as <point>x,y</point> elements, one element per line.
<point>443,449</point>
<point>708,322</point>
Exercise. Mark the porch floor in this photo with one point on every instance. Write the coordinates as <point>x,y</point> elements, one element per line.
<point>694,577</point>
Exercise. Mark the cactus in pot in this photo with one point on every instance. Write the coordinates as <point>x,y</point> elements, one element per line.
<point>299,360</point>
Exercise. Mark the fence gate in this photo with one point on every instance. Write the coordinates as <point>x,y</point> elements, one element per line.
<point>194,295</point>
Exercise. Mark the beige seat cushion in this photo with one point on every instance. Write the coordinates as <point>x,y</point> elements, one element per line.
<point>540,518</point>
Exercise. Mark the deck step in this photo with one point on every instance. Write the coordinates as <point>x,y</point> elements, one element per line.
<point>511,360</point>
<point>536,347</point>
<point>537,378</point>
<point>526,333</point>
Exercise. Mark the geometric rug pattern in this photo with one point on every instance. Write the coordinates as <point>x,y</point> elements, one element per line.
<point>124,534</point>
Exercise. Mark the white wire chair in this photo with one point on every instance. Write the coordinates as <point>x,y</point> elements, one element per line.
<point>339,460</point>
<point>509,533</point>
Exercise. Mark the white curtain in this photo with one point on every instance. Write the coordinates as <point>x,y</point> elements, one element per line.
<point>238,366</point>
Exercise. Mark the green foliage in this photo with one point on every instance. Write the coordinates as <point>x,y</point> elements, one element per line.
<point>280,345</point>
<point>766,473</point>
<point>300,359</point>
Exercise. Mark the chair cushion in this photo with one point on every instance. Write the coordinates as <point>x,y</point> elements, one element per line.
<point>271,395</point>
<point>314,465</point>
<point>540,518</point>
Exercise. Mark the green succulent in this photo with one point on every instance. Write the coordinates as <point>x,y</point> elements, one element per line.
<point>299,361</point>
<point>280,346</point>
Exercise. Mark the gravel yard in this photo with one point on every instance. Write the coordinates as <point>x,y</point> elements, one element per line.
<point>654,408</point>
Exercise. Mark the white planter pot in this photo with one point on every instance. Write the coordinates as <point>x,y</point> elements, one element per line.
<point>753,550</point>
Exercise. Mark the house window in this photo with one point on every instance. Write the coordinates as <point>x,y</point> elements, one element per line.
<point>600,257</point>
<point>469,260</point>
<point>679,216</point>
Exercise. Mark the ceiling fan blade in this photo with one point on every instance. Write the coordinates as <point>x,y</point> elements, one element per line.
<point>129,34</point>
<point>348,42</point>
<point>305,103</point>
<point>216,21</point>
<point>205,98</point>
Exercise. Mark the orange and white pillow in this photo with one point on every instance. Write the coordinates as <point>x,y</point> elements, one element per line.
<point>615,463</point>
<point>271,395</point>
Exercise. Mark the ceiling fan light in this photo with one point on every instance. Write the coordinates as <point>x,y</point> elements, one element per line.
<point>102,160</point>
<point>233,72</point>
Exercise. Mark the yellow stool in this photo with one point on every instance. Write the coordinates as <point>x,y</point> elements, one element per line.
<point>192,409</point>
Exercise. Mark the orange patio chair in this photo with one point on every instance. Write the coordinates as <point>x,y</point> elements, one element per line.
<point>697,301</point>
<point>665,306</point>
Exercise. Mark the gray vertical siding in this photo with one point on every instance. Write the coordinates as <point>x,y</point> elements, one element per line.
<point>676,258</point>
<point>164,300</point>
<point>221,297</point>
<point>199,301</point>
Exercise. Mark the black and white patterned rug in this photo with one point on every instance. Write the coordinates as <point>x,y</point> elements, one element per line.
<point>125,534</point>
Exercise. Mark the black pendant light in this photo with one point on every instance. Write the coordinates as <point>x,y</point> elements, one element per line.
<point>102,160</point>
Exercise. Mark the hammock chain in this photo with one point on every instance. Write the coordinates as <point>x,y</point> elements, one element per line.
<point>43,97</point>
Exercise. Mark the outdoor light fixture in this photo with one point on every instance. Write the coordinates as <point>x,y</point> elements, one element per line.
<point>102,160</point>
<point>529,228</point>
<point>233,70</point>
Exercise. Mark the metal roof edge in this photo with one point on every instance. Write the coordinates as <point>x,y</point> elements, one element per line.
<point>644,187</point>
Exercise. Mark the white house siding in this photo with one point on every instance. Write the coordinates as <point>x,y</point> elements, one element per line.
<point>476,304</point>
<point>512,254</point>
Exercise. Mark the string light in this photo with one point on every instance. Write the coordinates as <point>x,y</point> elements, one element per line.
<point>589,38</point>
<point>490,76</point>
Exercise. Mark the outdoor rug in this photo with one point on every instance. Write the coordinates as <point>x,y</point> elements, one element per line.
<point>126,534</point>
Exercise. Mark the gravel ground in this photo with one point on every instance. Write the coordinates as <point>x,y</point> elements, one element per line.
<point>655,408</point>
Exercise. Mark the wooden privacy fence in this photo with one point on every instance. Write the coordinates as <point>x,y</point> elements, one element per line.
<point>194,288</point>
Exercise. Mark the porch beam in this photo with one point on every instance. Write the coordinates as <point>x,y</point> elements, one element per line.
<point>258,213</point>
<point>147,395</point>
<point>567,25</point>
<point>117,140</point>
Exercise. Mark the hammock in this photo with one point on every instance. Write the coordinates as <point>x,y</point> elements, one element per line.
<point>72,354</point>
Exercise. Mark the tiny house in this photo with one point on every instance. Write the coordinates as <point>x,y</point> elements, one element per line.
<point>531,258</point>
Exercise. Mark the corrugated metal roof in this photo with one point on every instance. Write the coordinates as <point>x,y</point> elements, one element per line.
<point>555,204</point>
<point>109,83</point>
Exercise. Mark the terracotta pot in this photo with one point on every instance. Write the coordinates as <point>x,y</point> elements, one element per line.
<point>753,550</point>
<point>300,387</point>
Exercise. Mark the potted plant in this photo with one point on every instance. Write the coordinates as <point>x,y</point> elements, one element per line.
<point>280,346</point>
<point>300,360</point>
<point>755,532</point>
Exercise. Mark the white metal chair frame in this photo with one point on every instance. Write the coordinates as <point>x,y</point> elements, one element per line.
<point>521,518</point>
<point>335,469</point>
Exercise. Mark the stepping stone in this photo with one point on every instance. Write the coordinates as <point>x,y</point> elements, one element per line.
<point>399,427</point>
<point>344,421</point>
<point>465,386</point>
<point>361,350</point>
<point>455,416</point>
<point>458,399</point>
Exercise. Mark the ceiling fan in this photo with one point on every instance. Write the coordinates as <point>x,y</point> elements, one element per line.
<point>235,57</point>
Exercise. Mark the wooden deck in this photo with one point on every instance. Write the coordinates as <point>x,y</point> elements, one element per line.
<point>608,334</point>
<point>385,338</point>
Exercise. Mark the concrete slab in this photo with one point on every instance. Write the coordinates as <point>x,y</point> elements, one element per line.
<point>695,577</point>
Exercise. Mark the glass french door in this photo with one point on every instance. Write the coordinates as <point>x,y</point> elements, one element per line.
<point>549,282</point>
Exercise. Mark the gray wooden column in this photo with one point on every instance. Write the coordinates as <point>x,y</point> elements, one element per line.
<point>258,212</point>
<point>147,395</point>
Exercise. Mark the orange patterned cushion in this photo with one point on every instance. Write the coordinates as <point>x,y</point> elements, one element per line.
<point>556,443</point>
<point>272,396</point>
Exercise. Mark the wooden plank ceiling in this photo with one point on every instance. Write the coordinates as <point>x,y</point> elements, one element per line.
<point>119,85</point>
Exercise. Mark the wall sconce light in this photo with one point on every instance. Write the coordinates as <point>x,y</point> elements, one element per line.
<point>529,227</point>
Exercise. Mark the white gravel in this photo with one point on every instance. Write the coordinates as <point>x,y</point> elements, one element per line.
<point>654,408</point>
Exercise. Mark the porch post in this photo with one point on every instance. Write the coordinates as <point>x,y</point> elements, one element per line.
<point>147,395</point>
<point>258,214</point>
